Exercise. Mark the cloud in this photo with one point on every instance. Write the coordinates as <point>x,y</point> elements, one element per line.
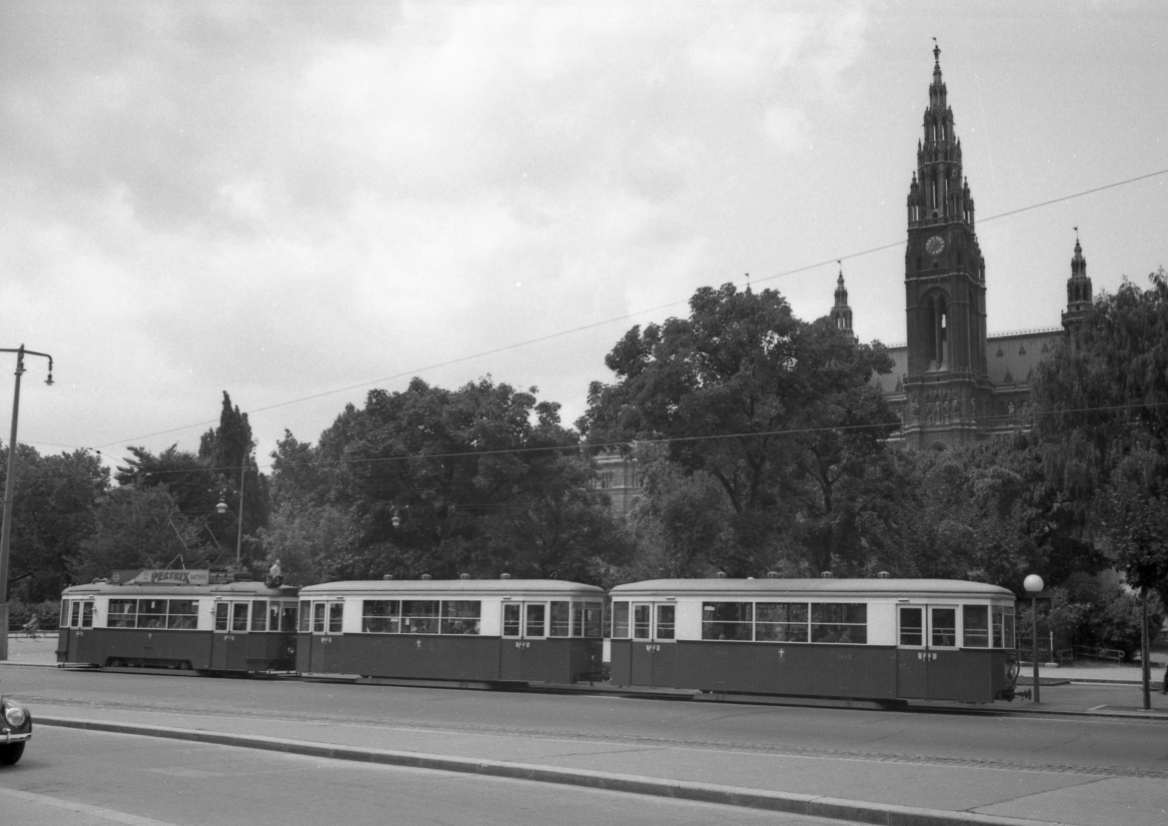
<point>285,197</point>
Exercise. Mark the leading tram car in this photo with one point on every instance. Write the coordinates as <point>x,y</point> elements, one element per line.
<point>870,639</point>
<point>229,627</point>
<point>462,630</point>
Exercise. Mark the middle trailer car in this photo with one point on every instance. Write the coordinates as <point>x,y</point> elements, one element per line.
<point>460,630</point>
<point>885,640</point>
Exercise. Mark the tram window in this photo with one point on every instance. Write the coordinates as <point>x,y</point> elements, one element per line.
<point>381,616</point>
<point>461,616</point>
<point>976,626</point>
<point>305,617</point>
<point>780,621</point>
<point>274,615</point>
<point>839,622</point>
<point>288,616</point>
<point>727,620</point>
<point>944,628</point>
<point>87,615</point>
<point>63,622</point>
<point>151,613</point>
<point>239,616</point>
<point>535,621</point>
<point>561,619</point>
<point>336,612</point>
<point>912,626</point>
<point>641,622</point>
<point>592,625</point>
<point>221,615</point>
<point>1003,627</point>
<point>259,615</point>
<point>318,617</point>
<point>620,620</point>
<point>511,620</point>
<point>420,616</point>
<point>666,621</point>
<point>182,614</point>
<point>75,616</point>
<point>122,613</point>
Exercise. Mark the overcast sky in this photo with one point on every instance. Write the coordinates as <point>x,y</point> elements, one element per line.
<point>296,202</point>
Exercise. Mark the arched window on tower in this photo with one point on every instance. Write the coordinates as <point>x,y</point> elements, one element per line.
<point>936,336</point>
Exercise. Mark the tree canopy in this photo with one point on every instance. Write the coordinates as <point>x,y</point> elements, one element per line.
<point>779,412</point>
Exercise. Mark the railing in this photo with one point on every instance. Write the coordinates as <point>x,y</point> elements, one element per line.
<point>1088,652</point>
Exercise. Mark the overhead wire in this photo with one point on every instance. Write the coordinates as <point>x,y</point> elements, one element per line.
<point>615,319</point>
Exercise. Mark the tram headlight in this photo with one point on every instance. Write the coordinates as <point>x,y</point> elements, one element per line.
<point>15,715</point>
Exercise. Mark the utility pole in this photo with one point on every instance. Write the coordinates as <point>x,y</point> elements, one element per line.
<point>10,491</point>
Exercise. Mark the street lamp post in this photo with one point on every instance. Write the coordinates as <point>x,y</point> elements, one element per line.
<point>10,491</point>
<point>1033,585</point>
<point>222,508</point>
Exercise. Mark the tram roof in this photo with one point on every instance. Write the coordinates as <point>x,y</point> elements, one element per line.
<point>812,587</point>
<point>458,586</point>
<point>250,588</point>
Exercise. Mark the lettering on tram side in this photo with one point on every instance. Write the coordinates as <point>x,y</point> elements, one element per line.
<point>651,648</point>
<point>843,655</point>
<point>926,655</point>
<point>522,644</point>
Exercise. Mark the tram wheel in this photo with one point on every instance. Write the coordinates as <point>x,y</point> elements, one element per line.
<point>10,754</point>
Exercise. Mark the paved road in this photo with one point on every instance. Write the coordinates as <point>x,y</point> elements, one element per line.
<point>1054,769</point>
<point>1136,748</point>
<point>81,778</point>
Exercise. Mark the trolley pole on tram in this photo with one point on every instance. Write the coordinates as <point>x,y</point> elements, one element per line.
<point>10,491</point>
<point>1033,585</point>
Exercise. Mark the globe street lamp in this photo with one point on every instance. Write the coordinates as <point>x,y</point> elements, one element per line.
<point>1033,585</point>
<point>10,491</point>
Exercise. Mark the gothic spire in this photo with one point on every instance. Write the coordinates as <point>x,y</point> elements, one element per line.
<point>841,313</point>
<point>1079,293</point>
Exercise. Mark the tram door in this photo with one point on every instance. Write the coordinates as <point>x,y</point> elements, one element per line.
<point>928,665</point>
<point>325,620</point>
<point>229,641</point>
<point>654,654</point>
<point>523,654</point>
<point>76,639</point>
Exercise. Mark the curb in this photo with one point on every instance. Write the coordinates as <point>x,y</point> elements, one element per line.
<point>810,805</point>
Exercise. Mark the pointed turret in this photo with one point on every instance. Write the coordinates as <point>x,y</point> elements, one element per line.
<point>841,313</point>
<point>1079,293</point>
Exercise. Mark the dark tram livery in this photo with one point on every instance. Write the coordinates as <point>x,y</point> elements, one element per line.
<point>462,630</point>
<point>231,626</point>
<point>871,639</point>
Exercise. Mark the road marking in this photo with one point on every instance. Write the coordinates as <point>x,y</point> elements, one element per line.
<point>85,808</point>
<point>1096,708</point>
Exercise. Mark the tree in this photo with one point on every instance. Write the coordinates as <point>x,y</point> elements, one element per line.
<point>1102,405</point>
<point>226,452</point>
<point>779,412</point>
<point>188,479</point>
<point>139,527</point>
<point>52,513</point>
<point>478,480</point>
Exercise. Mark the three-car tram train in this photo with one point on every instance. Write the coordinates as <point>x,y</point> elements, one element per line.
<point>854,639</point>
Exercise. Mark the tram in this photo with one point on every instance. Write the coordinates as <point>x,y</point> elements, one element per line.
<point>179,620</point>
<point>461,630</point>
<point>871,639</point>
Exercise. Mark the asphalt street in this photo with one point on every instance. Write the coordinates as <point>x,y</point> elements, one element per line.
<point>82,778</point>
